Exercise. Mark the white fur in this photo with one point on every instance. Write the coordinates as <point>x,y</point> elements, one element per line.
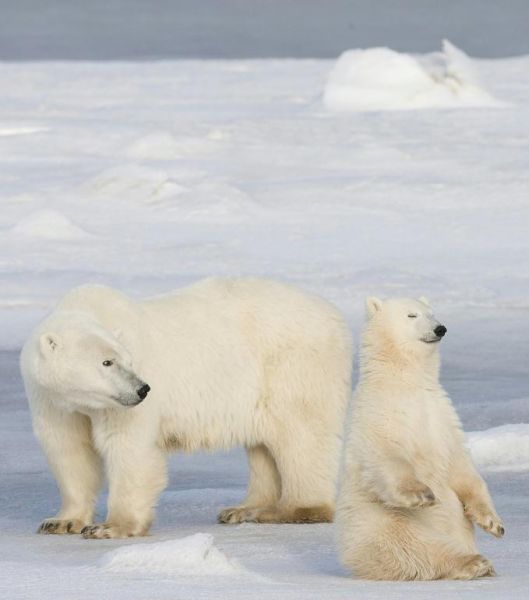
<point>230,362</point>
<point>410,492</point>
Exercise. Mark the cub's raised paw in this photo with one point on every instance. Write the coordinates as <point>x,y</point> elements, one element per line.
<point>494,526</point>
<point>489,522</point>
<point>61,526</point>
<point>415,495</point>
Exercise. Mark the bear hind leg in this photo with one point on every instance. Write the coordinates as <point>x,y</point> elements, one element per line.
<point>471,567</point>
<point>307,472</point>
<point>414,553</point>
<point>264,487</point>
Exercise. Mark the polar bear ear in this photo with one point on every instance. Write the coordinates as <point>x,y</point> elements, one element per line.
<point>424,300</point>
<point>48,343</point>
<point>373,305</point>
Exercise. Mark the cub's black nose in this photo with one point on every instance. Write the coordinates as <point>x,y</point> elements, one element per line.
<point>440,330</point>
<point>143,391</point>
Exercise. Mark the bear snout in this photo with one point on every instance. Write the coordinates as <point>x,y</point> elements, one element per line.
<point>143,391</point>
<point>440,330</point>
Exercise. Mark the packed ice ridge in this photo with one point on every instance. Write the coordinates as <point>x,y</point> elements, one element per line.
<point>383,79</point>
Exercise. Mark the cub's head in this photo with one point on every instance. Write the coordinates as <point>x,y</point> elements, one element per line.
<point>84,365</point>
<point>408,323</point>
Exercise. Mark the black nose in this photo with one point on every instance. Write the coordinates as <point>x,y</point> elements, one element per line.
<point>440,330</point>
<point>143,391</point>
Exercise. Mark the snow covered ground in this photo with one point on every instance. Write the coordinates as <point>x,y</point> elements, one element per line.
<point>149,176</point>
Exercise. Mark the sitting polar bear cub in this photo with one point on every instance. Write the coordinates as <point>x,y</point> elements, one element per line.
<point>410,492</point>
<point>230,362</point>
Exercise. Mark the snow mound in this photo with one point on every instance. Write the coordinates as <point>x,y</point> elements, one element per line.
<point>192,555</point>
<point>382,79</point>
<point>132,182</point>
<point>213,200</point>
<point>504,448</point>
<point>164,146</point>
<point>48,225</point>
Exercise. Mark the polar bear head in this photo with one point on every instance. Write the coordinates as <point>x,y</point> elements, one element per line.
<point>407,323</point>
<point>83,365</point>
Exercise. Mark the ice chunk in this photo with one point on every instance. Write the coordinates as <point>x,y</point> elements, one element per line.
<point>382,79</point>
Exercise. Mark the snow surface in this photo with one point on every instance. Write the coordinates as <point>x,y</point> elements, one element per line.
<point>382,79</point>
<point>149,176</point>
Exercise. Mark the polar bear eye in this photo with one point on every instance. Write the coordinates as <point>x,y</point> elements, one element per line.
<point>412,316</point>
<point>108,363</point>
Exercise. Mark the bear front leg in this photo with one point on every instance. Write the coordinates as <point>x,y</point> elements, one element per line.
<point>67,444</point>
<point>136,474</point>
<point>474,495</point>
<point>394,482</point>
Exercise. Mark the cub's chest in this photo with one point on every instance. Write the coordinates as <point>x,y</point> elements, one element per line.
<point>417,422</point>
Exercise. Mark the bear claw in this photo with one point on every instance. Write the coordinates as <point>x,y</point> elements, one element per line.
<point>48,527</point>
<point>96,532</point>
<point>60,526</point>
<point>236,515</point>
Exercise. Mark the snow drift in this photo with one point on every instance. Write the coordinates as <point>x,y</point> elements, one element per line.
<point>503,448</point>
<point>382,79</point>
<point>192,555</point>
<point>164,146</point>
<point>48,225</point>
<point>133,183</point>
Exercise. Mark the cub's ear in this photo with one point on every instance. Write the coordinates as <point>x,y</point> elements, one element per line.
<point>373,305</point>
<point>424,300</point>
<point>48,343</point>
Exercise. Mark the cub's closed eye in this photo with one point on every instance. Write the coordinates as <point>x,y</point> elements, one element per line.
<point>412,316</point>
<point>108,363</point>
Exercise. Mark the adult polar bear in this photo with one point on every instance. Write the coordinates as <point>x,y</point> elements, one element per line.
<point>231,362</point>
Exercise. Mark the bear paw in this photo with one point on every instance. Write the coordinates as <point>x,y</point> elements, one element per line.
<point>103,531</point>
<point>415,495</point>
<point>321,513</point>
<point>488,521</point>
<point>238,514</point>
<point>473,567</point>
<point>61,526</point>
